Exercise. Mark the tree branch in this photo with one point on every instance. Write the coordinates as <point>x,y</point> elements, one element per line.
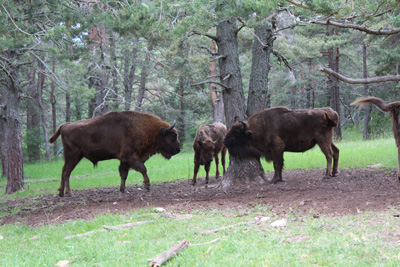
<point>379,79</point>
<point>357,27</point>
<point>213,37</point>
<point>211,81</point>
<point>281,58</point>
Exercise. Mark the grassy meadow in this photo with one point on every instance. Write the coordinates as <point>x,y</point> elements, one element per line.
<point>365,239</point>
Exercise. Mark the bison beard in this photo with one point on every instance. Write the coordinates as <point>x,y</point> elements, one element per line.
<point>132,137</point>
<point>271,132</point>
<point>394,111</point>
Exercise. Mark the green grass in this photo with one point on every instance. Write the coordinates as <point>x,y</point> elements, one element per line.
<point>44,178</point>
<point>368,239</point>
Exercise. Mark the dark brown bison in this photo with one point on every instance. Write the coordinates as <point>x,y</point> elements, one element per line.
<point>132,137</point>
<point>271,132</point>
<point>394,111</point>
<point>207,145</point>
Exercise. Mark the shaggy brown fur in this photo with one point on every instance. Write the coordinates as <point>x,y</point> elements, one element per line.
<point>394,111</point>
<point>271,132</point>
<point>132,137</point>
<point>207,145</point>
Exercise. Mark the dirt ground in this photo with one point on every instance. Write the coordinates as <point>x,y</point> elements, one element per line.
<point>354,190</point>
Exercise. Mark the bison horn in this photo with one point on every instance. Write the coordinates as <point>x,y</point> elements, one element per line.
<point>244,124</point>
<point>171,127</point>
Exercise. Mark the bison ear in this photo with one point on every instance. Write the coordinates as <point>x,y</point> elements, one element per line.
<point>249,134</point>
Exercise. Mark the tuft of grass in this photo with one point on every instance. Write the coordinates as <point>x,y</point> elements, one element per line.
<point>357,240</point>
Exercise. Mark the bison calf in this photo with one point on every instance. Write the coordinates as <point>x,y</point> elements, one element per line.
<point>271,132</point>
<point>394,111</point>
<point>132,137</point>
<point>207,145</point>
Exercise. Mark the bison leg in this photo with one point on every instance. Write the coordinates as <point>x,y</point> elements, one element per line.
<point>123,172</point>
<point>137,165</point>
<point>398,159</point>
<point>196,168</point>
<point>335,150</point>
<point>207,168</point>
<point>278,166</point>
<point>69,165</point>
<point>223,156</point>
<point>326,148</point>
<point>216,165</point>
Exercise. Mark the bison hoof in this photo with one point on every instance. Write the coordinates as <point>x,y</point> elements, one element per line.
<point>125,191</point>
<point>193,183</point>
<point>70,195</point>
<point>275,181</point>
<point>147,187</point>
<point>326,178</point>
<point>61,194</point>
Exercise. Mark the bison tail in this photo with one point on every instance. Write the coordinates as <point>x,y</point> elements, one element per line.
<point>371,100</point>
<point>332,120</point>
<point>56,134</point>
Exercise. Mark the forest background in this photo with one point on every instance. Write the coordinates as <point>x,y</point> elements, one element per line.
<point>64,61</point>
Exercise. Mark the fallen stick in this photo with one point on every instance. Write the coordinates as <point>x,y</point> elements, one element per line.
<point>206,243</point>
<point>125,226</point>
<point>224,228</point>
<point>83,234</point>
<point>168,254</point>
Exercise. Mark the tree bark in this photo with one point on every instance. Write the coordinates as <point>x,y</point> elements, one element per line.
<point>240,171</point>
<point>258,87</point>
<point>367,115</point>
<point>11,142</point>
<point>68,107</point>
<point>215,92</point>
<point>143,78</point>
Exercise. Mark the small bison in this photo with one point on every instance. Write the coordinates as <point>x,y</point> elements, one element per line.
<point>132,137</point>
<point>271,132</point>
<point>207,145</point>
<point>394,111</point>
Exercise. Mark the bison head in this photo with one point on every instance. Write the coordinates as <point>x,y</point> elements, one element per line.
<point>238,141</point>
<point>206,149</point>
<point>170,144</point>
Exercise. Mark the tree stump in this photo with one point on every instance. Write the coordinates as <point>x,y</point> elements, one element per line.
<point>243,171</point>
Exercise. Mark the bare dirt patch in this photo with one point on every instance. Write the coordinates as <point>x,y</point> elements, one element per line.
<point>354,190</point>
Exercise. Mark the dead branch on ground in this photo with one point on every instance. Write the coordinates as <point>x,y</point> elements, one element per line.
<point>170,253</point>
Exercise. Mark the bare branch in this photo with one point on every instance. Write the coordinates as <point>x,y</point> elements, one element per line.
<point>357,27</point>
<point>379,79</point>
<point>209,50</point>
<point>213,37</point>
<point>281,58</point>
<point>211,81</point>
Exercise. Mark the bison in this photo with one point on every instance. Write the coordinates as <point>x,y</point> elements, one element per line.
<point>276,130</point>
<point>132,137</point>
<point>394,111</point>
<point>207,144</point>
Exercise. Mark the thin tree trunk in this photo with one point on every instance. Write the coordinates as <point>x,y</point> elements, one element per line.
<point>114,73</point>
<point>181,119</point>
<point>32,118</point>
<point>240,170</point>
<point>143,78</point>
<point>367,116</point>
<point>129,74</point>
<point>41,78</point>
<point>258,86</point>
<point>68,107</point>
<point>11,143</point>
<point>54,109</point>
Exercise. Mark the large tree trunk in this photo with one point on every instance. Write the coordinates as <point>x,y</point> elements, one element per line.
<point>11,142</point>
<point>143,78</point>
<point>258,87</point>
<point>129,74</point>
<point>240,171</point>
<point>215,92</point>
<point>367,116</point>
